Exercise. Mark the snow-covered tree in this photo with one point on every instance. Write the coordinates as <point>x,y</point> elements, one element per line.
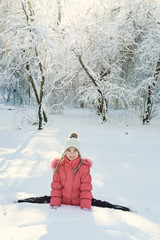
<point>147,60</point>
<point>27,53</point>
<point>98,51</point>
<point>108,45</point>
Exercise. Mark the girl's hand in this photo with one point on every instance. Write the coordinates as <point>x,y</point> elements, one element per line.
<point>86,209</point>
<point>54,207</point>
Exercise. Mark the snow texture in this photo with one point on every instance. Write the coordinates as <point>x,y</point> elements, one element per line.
<point>125,171</point>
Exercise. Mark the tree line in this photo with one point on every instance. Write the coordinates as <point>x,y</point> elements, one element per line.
<point>105,55</point>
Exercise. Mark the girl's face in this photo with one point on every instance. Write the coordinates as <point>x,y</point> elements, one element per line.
<point>72,153</point>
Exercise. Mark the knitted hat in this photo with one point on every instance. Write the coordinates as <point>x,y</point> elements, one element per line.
<point>72,141</point>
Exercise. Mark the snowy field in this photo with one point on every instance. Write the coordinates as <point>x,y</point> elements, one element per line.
<point>126,171</point>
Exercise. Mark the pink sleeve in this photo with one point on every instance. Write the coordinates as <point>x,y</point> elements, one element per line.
<point>86,187</point>
<point>56,191</point>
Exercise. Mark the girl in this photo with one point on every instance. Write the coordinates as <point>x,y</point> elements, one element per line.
<point>71,179</point>
<point>71,183</point>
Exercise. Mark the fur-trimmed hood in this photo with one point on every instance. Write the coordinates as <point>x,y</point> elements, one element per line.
<point>55,161</point>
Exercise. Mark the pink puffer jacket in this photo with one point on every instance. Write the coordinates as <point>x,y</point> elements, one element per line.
<point>69,188</point>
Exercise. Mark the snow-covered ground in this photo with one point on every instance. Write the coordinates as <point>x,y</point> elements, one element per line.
<point>126,171</point>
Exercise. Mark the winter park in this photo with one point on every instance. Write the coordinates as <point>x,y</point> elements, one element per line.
<point>90,67</point>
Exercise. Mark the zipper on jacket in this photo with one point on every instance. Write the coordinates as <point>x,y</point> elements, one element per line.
<point>72,186</point>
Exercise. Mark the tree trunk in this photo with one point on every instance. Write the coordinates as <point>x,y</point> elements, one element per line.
<point>148,112</point>
<point>59,12</point>
<point>31,80</point>
<point>102,107</point>
<point>41,114</point>
<point>147,115</point>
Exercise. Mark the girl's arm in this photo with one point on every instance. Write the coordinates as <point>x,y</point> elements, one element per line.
<point>86,187</point>
<point>56,194</point>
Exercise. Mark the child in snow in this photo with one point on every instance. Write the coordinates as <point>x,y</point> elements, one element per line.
<point>71,179</point>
